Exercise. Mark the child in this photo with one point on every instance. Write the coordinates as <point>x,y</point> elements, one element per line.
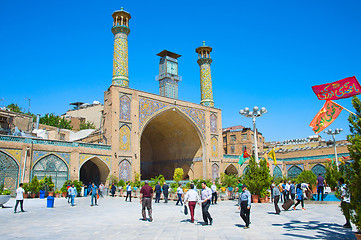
<point>299,197</point>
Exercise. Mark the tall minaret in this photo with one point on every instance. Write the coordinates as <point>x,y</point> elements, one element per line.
<point>204,61</point>
<point>120,30</point>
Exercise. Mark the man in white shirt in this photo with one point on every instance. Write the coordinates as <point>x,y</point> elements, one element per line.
<point>180,194</point>
<point>214,193</point>
<point>192,197</point>
<point>206,202</point>
<point>19,198</point>
<point>288,190</point>
<point>345,203</point>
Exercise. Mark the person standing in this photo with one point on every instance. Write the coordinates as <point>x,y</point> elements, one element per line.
<point>281,190</point>
<point>306,189</point>
<point>85,190</point>
<point>113,189</point>
<point>276,197</point>
<point>245,205</point>
<point>19,197</point>
<point>192,197</point>
<point>101,189</point>
<point>239,190</point>
<point>293,190</point>
<point>271,187</point>
<point>165,192</point>
<point>180,194</point>
<point>72,192</point>
<point>345,203</point>
<point>288,190</point>
<point>158,191</point>
<point>321,182</point>
<point>146,195</point>
<point>206,202</point>
<point>214,193</point>
<point>129,192</point>
<point>93,192</point>
<point>299,197</point>
<point>67,193</point>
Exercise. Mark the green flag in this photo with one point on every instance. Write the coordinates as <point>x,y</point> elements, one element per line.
<point>241,160</point>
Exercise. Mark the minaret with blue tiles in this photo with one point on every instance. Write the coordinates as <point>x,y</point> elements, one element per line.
<point>121,31</point>
<point>204,61</point>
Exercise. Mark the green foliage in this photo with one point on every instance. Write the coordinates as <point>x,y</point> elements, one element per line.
<point>87,125</point>
<point>55,121</point>
<point>112,179</point>
<point>77,185</point>
<point>34,185</point>
<point>178,174</point>
<point>4,191</point>
<point>307,177</point>
<point>154,181</point>
<point>13,107</point>
<point>175,185</point>
<point>121,183</point>
<point>198,183</point>
<point>26,187</point>
<point>257,178</point>
<point>229,180</point>
<point>46,184</point>
<point>65,186</point>
<point>332,175</point>
<point>354,173</point>
<point>137,182</point>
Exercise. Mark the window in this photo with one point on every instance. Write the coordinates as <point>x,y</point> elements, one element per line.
<point>224,139</point>
<point>244,136</point>
<point>260,139</point>
<point>232,149</point>
<point>233,138</point>
<point>62,136</point>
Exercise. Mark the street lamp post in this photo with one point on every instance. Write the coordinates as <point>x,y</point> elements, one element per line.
<point>254,114</point>
<point>333,133</point>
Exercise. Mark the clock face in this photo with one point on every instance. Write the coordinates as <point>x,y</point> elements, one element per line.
<point>172,68</point>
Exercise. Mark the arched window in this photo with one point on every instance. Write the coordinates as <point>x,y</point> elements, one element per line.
<point>215,172</point>
<point>319,169</point>
<point>213,122</point>
<point>51,165</point>
<point>231,169</point>
<point>294,171</point>
<point>245,170</point>
<point>214,142</point>
<point>124,108</point>
<point>125,170</point>
<point>277,173</point>
<point>9,171</point>
<point>124,138</point>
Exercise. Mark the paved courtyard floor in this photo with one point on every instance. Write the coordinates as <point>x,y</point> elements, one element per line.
<point>116,219</point>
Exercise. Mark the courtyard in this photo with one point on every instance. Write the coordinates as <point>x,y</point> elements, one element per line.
<point>114,219</point>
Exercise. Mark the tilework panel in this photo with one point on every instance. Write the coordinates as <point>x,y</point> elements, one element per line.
<point>14,153</point>
<point>83,157</point>
<point>277,172</point>
<point>319,169</point>
<point>124,138</point>
<point>213,122</point>
<point>39,154</point>
<point>294,171</point>
<point>215,171</point>
<point>120,60</point>
<point>206,85</point>
<point>125,170</point>
<point>148,107</point>
<point>124,108</point>
<point>214,144</point>
<point>9,171</point>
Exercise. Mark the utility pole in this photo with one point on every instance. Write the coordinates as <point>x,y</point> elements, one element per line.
<point>29,104</point>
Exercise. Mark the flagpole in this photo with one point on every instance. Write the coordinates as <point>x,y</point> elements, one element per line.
<point>343,107</point>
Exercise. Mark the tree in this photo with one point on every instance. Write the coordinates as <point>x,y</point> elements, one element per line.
<point>258,177</point>
<point>229,180</point>
<point>178,174</point>
<point>112,179</point>
<point>15,108</point>
<point>354,174</point>
<point>87,125</point>
<point>307,177</point>
<point>154,181</point>
<point>55,121</point>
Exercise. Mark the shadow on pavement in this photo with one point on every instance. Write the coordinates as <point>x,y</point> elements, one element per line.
<point>324,230</point>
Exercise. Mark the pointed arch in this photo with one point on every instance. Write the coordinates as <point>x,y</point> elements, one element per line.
<point>125,170</point>
<point>319,169</point>
<point>277,172</point>
<point>214,145</point>
<point>231,169</point>
<point>215,171</point>
<point>294,171</point>
<point>213,123</point>
<point>124,138</point>
<point>9,171</point>
<point>124,108</point>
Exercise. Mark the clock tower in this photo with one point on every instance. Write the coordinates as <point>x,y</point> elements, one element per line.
<point>168,74</point>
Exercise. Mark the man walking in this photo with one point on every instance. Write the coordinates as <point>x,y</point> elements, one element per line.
<point>245,206</point>
<point>288,184</point>
<point>93,192</point>
<point>101,189</point>
<point>214,193</point>
<point>129,192</point>
<point>320,187</point>
<point>72,192</point>
<point>206,197</point>
<point>146,195</point>
<point>19,198</point>
<point>165,192</point>
<point>293,190</point>
<point>276,197</point>
<point>192,197</point>
<point>158,191</point>
<point>345,203</point>
<point>179,194</point>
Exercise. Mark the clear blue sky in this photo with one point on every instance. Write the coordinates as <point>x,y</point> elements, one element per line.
<point>265,53</point>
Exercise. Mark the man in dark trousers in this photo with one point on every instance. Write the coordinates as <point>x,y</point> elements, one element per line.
<point>276,197</point>
<point>245,205</point>
<point>129,192</point>
<point>158,191</point>
<point>165,192</point>
<point>206,197</point>
<point>146,195</point>
<point>320,186</point>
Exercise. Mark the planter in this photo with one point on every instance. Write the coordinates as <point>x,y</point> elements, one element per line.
<point>255,198</point>
<point>32,195</point>
<point>64,194</point>
<point>266,199</point>
<point>4,199</point>
<point>262,200</point>
<point>26,195</point>
<point>358,235</point>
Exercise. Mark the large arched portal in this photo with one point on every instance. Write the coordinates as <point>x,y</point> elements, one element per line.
<point>170,140</point>
<point>95,171</point>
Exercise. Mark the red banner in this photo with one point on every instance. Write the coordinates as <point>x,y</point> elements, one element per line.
<point>343,88</point>
<point>328,113</point>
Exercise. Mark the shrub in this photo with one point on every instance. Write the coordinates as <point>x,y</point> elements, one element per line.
<point>34,185</point>
<point>77,185</point>
<point>121,183</point>
<point>64,188</point>
<point>112,179</point>
<point>229,180</point>
<point>154,181</point>
<point>257,178</point>
<point>178,174</point>
<point>307,177</point>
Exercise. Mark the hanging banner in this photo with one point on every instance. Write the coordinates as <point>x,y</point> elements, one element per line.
<point>343,88</point>
<point>328,113</point>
